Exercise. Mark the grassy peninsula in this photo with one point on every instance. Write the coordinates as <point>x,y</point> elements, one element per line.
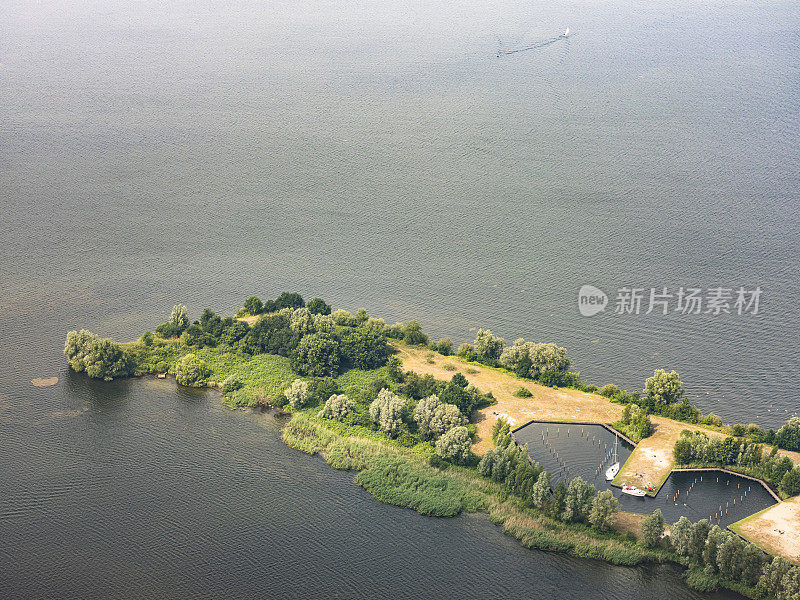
<point>411,416</point>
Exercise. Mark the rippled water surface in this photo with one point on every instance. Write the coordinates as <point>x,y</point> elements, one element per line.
<point>379,155</point>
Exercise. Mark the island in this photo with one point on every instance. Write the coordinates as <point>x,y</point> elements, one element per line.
<point>434,428</point>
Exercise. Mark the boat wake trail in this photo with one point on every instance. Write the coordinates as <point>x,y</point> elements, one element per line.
<point>502,52</point>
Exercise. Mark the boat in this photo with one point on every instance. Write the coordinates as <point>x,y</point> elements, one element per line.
<point>566,33</point>
<point>632,490</point>
<point>612,471</point>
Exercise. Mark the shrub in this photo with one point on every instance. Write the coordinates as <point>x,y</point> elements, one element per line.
<point>344,318</point>
<point>449,367</point>
<point>364,349</point>
<point>455,445</point>
<point>337,407</point>
<point>609,390</point>
<point>471,371</point>
<point>231,384</point>
<point>653,529</point>
<point>488,346</point>
<point>192,371</point>
<point>318,306</point>
<point>435,418</point>
<point>445,346</point>
<point>546,362</point>
<point>147,338</point>
<point>523,392</point>
<point>289,300</point>
<point>663,389</point>
<point>98,358</point>
<point>179,317</point>
<point>790,483</point>
<point>387,412</point>
<point>788,436</point>
<point>317,355</point>
<point>412,334</point>
<point>253,306</point>
<point>297,393</point>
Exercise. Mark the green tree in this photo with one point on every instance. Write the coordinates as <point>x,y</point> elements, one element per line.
<point>680,534</point>
<point>653,529</point>
<point>697,540</point>
<point>179,317</point>
<point>445,346</point>
<point>412,333</point>
<point>192,371</point>
<point>388,412</point>
<point>558,504</point>
<point>790,483</point>
<point>363,349</point>
<point>752,560</point>
<point>289,300</point>
<point>604,510</point>
<point>772,576</point>
<point>98,358</point>
<point>435,418</point>
<point>488,346</point>
<point>344,318</point>
<point>578,501</point>
<point>540,493</point>
<point>663,388</point>
<point>716,537</point>
<point>253,305</point>
<point>318,306</point>
<point>728,558</point>
<point>337,407</point>
<point>317,355</point>
<point>788,436</point>
<point>454,445</point>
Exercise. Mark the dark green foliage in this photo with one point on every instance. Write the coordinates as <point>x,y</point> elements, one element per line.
<point>320,389</point>
<point>192,371</point>
<point>403,483</point>
<point>701,581</point>
<point>412,333</point>
<point>289,300</point>
<point>272,334</point>
<point>790,483</point>
<point>317,355</point>
<point>253,305</point>
<point>97,357</point>
<point>168,330</point>
<point>788,436</point>
<point>459,380</point>
<point>444,346</point>
<point>652,529</point>
<point>364,349</point>
<point>318,306</point>
<point>465,399</point>
<point>438,462</point>
<point>147,338</point>
<point>418,386</point>
<point>195,336</point>
<point>558,502</point>
<point>393,365</point>
<point>523,392</point>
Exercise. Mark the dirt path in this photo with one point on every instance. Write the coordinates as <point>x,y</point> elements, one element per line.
<point>649,464</point>
<point>776,530</point>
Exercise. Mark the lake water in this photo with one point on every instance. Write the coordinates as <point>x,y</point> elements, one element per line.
<point>569,450</point>
<point>380,156</point>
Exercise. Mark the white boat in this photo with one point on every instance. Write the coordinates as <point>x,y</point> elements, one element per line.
<point>632,490</point>
<point>612,471</point>
<point>566,33</point>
